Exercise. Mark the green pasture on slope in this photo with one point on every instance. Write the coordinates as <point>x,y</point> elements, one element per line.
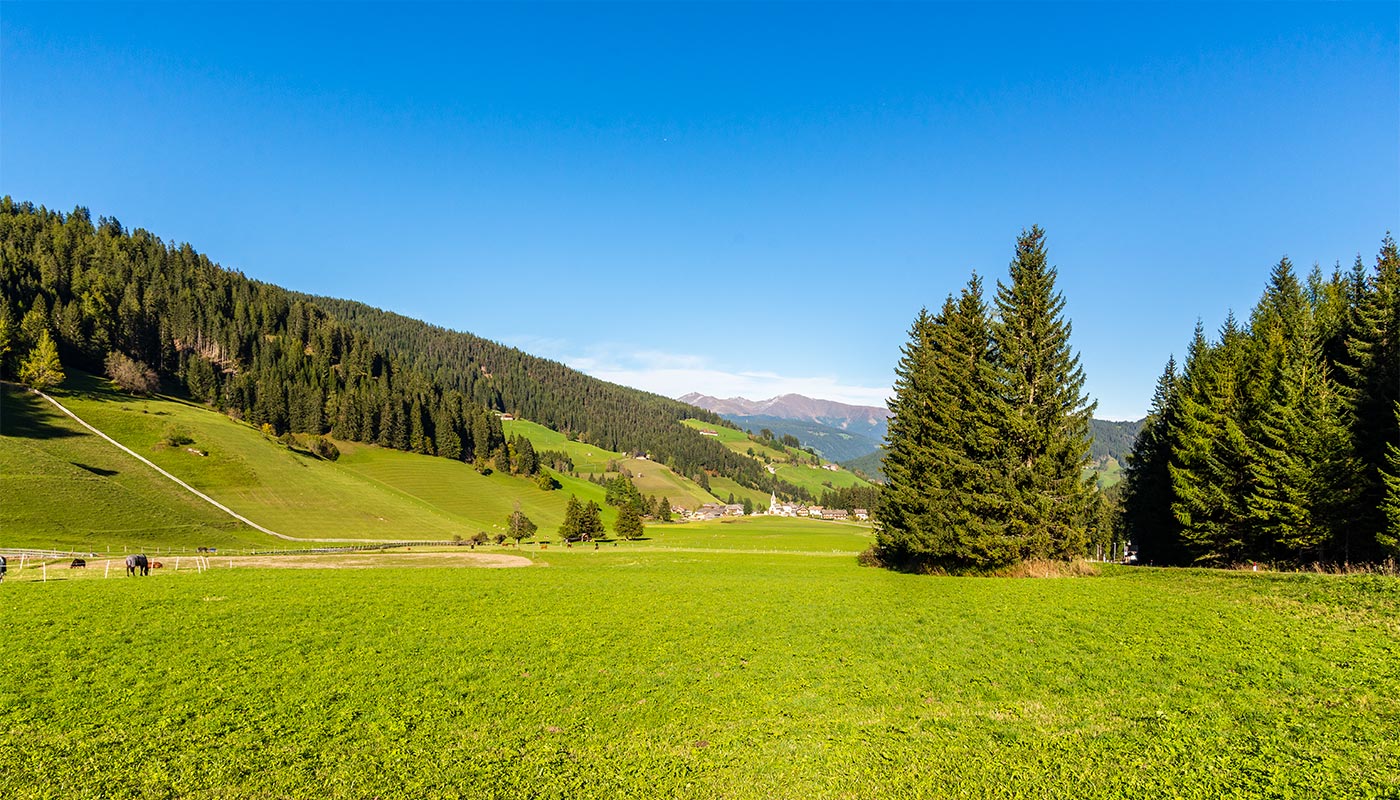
<point>63,487</point>
<point>814,479</point>
<point>699,675</point>
<point>650,477</point>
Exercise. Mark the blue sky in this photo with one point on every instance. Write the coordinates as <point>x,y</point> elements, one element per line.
<point>726,198</point>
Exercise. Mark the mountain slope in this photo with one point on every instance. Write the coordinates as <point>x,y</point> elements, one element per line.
<point>303,364</point>
<point>833,444</point>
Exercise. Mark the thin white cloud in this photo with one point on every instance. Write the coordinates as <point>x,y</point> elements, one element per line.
<point>676,374</point>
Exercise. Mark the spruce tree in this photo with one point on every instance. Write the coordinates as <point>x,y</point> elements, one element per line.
<point>1388,538</point>
<point>903,521</point>
<point>1372,374</point>
<point>572,527</point>
<point>41,369</point>
<point>1147,492</point>
<point>1211,454</point>
<point>1043,424</point>
<point>967,502</point>
<point>629,523</point>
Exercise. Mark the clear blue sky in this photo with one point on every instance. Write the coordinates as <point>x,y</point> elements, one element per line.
<point>727,198</point>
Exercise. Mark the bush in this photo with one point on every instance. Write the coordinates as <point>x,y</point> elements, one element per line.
<point>175,436</point>
<point>324,448</point>
<point>131,375</point>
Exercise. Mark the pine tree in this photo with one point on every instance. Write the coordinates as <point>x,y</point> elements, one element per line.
<point>629,523</point>
<point>1147,492</point>
<point>1211,455</point>
<point>571,529</point>
<point>1044,421</point>
<point>41,369</point>
<point>903,534</point>
<point>1372,375</point>
<point>1389,536</point>
<point>663,510</point>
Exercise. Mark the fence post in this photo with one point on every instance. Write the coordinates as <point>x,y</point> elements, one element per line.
<point>107,569</point>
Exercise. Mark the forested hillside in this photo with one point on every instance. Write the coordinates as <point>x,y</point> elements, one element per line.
<point>296,363</point>
<point>1280,439</point>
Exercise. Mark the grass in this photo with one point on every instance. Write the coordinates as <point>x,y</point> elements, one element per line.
<point>651,478</point>
<point>813,479</point>
<point>71,489</point>
<point>63,487</point>
<point>683,674</point>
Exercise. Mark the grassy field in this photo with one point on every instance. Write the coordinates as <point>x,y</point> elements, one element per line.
<point>65,487</point>
<point>813,479</point>
<point>657,673</point>
<point>651,478</point>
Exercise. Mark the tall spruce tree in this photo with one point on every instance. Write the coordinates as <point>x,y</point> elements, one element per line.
<point>903,531</point>
<point>1147,494</point>
<point>1388,538</point>
<point>1043,424</point>
<point>1211,454</point>
<point>1372,374</point>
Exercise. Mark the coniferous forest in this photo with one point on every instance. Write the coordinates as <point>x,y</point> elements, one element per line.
<point>1279,439</point>
<point>987,449</point>
<point>303,364</point>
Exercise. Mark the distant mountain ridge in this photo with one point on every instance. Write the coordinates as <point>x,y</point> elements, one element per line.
<point>794,406</point>
<point>838,431</point>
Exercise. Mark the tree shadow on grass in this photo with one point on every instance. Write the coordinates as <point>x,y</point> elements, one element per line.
<point>106,473</point>
<point>26,415</point>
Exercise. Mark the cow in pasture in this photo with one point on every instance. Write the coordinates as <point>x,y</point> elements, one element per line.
<point>78,562</point>
<point>135,562</point>
<point>3,567</point>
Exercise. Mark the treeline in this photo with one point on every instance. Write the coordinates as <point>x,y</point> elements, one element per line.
<point>850,498</point>
<point>989,441</point>
<point>296,363</point>
<point>584,408</point>
<point>1280,440</point>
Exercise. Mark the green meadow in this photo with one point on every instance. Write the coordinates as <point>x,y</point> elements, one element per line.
<point>652,673</point>
<point>814,479</point>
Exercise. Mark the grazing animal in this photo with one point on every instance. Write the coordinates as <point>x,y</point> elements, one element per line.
<point>3,567</point>
<point>156,565</point>
<point>78,562</point>
<point>135,562</point>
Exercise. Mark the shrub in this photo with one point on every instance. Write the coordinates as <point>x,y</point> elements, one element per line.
<point>175,436</point>
<point>131,375</point>
<point>324,448</point>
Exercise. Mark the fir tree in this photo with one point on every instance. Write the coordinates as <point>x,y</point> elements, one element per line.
<point>629,523</point>
<point>903,534</point>
<point>1043,426</point>
<point>1211,455</point>
<point>1389,536</point>
<point>1147,492</point>
<point>663,510</point>
<point>571,529</point>
<point>41,369</point>
<point>1372,375</point>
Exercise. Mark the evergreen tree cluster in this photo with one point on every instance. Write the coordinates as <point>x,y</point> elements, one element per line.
<point>82,291</point>
<point>1278,440</point>
<point>987,448</point>
<point>851,497</point>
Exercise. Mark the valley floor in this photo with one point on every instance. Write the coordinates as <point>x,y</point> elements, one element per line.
<point>646,672</point>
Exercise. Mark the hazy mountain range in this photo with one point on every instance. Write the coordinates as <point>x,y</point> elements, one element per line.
<point>838,431</point>
<point>853,435</point>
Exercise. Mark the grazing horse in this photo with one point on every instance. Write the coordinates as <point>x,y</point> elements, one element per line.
<point>135,562</point>
<point>3,567</point>
<point>78,562</point>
